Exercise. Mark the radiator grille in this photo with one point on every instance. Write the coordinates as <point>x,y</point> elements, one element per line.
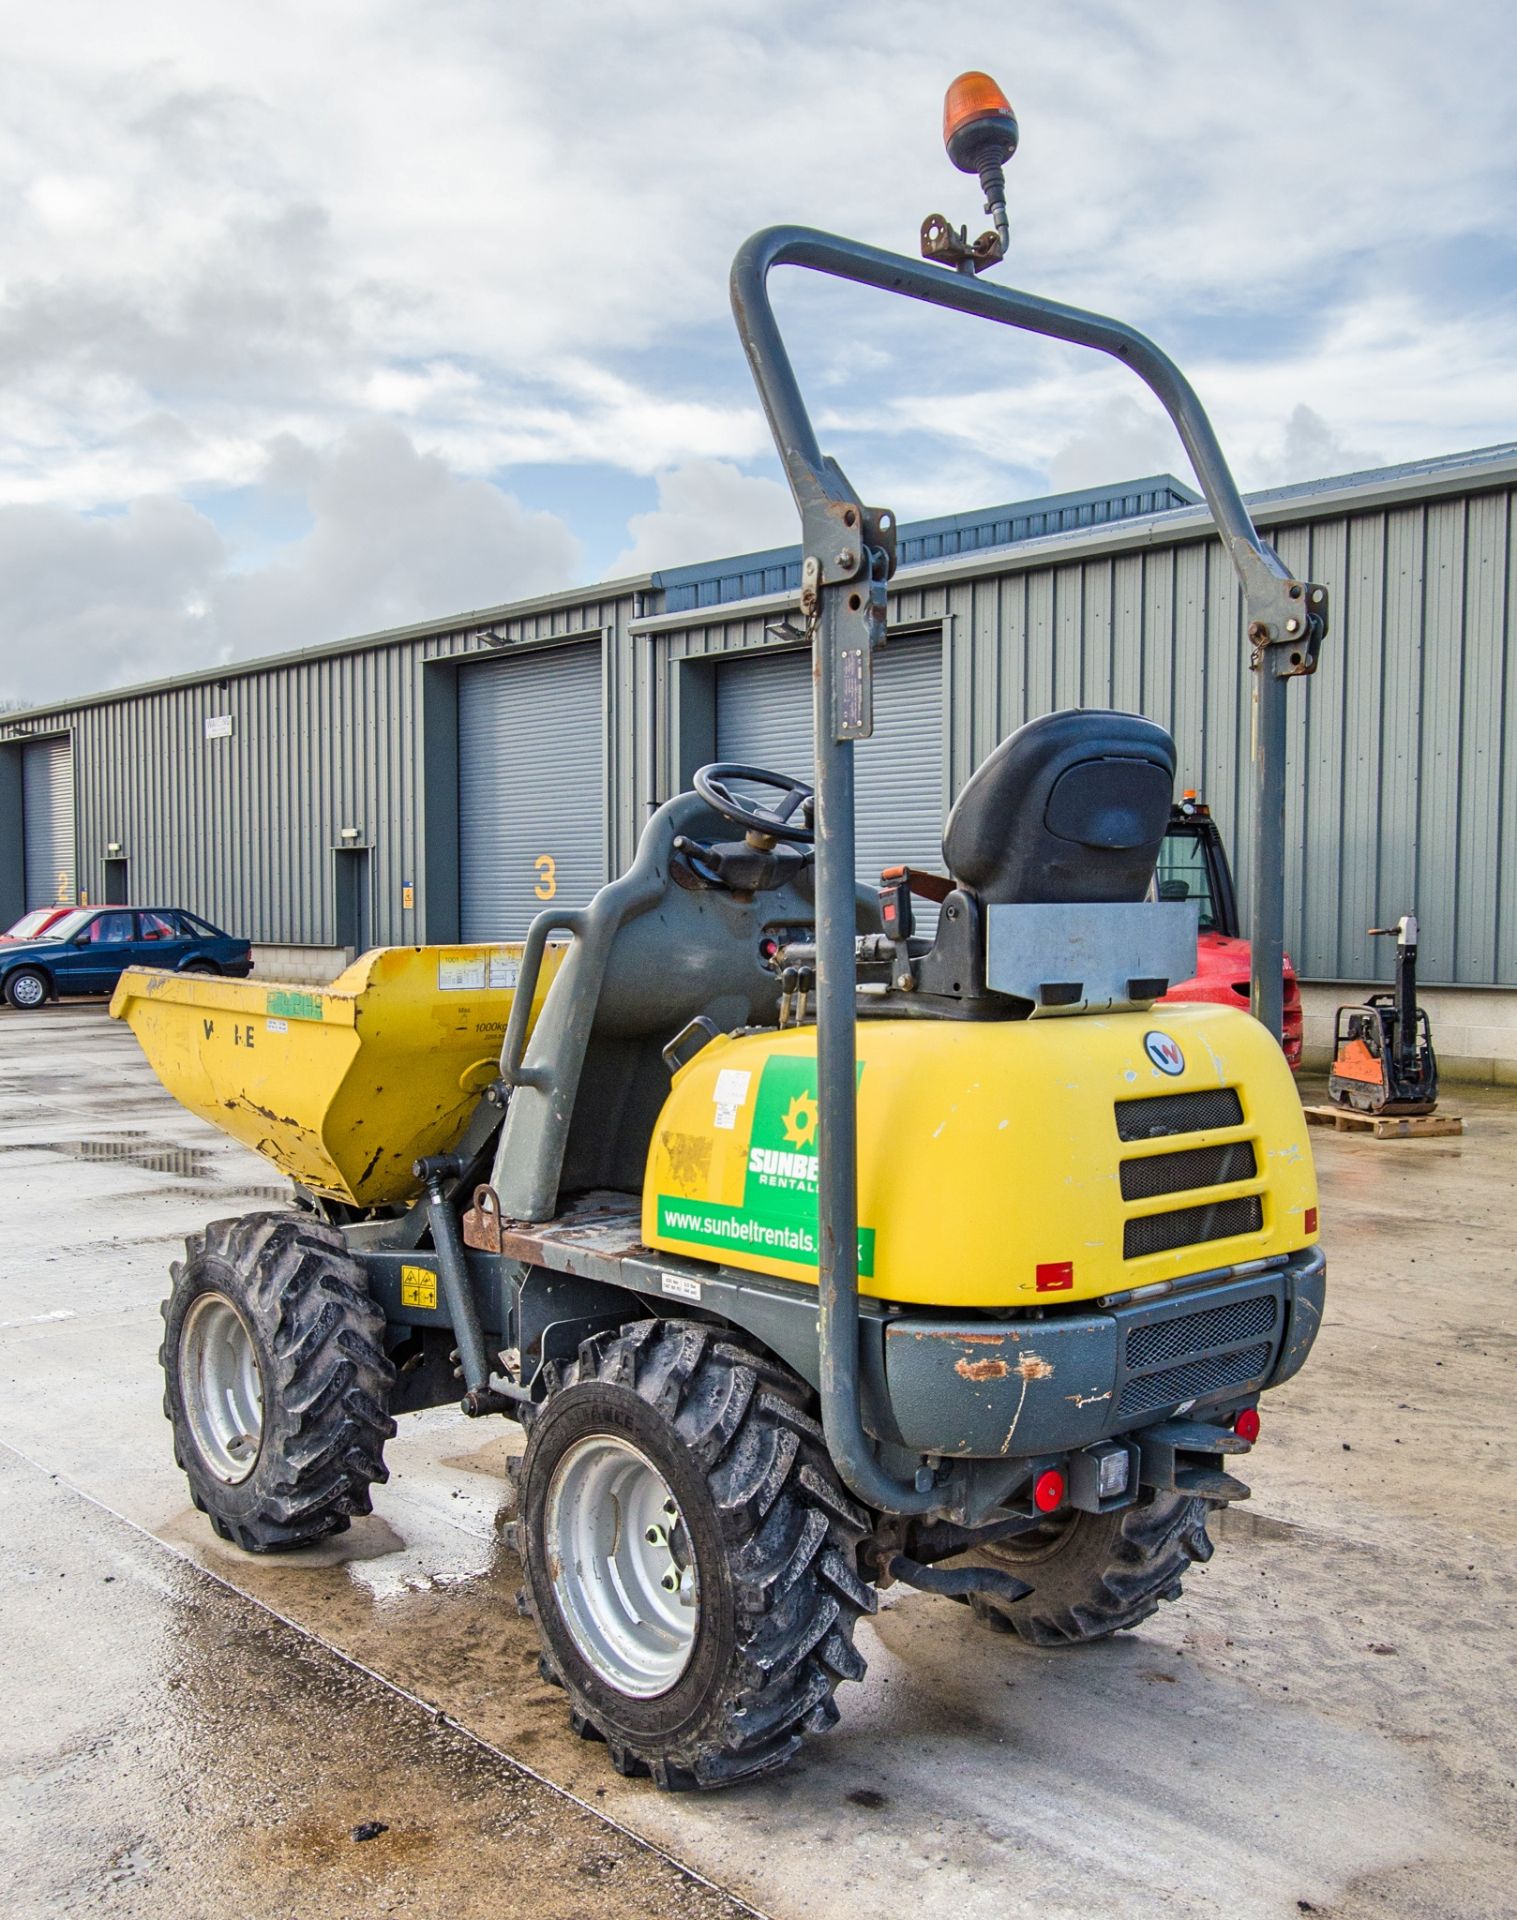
<point>1193,1167</point>
<point>1165,1113</point>
<point>1189,1226</point>
<point>1190,1333</point>
<point>1196,1378</point>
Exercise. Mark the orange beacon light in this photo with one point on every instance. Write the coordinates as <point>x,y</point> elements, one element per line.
<point>979,127</point>
<point>980,133</point>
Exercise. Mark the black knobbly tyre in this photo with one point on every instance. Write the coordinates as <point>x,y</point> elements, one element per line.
<point>275,1380</point>
<point>1093,1574</point>
<point>691,1559</point>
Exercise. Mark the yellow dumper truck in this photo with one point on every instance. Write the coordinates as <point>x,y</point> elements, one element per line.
<point>812,1253</point>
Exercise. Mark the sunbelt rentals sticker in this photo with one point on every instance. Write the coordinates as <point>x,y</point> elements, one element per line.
<point>778,1212</point>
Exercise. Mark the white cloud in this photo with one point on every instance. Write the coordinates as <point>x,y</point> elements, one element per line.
<point>706,510</point>
<point>1123,439</point>
<point>1311,449</point>
<point>395,537</point>
<point>508,229</point>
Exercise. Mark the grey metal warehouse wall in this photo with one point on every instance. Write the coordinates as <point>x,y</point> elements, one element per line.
<point>241,827</point>
<point>1404,748</point>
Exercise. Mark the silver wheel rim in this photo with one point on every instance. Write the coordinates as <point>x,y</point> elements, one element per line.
<point>28,991</point>
<point>221,1388</point>
<point>623,1572</point>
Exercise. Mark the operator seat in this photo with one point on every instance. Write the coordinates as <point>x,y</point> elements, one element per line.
<point>1070,807</point>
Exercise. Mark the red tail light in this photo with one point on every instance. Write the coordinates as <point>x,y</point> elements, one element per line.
<point>1048,1490</point>
<point>1246,1425</point>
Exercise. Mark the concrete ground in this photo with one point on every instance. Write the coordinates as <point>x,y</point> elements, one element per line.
<point>1324,1723</point>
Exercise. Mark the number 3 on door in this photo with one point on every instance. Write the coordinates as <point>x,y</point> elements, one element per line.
<point>547,876</point>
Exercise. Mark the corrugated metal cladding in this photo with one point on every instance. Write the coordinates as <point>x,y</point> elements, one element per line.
<point>47,821</point>
<point>531,794</point>
<point>242,825</point>
<point>763,718</point>
<point>1403,749</point>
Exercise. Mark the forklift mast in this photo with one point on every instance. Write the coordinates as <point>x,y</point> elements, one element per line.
<point>1191,826</point>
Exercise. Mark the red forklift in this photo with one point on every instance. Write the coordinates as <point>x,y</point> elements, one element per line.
<point>1193,865</point>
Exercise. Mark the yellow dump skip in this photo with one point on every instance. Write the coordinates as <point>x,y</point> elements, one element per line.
<point>341,1087</point>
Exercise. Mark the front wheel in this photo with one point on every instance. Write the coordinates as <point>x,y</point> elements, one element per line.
<point>26,989</point>
<point>691,1560</point>
<point>275,1380</point>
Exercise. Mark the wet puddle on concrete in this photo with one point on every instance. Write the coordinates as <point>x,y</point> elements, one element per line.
<point>227,1189</point>
<point>145,1154</point>
<point>130,1149</point>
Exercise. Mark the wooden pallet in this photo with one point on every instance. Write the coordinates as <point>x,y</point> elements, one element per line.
<point>1385,1126</point>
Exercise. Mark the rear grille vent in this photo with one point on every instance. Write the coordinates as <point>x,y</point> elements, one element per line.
<point>1195,1379</point>
<point>1184,1350</point>
<point>1191,1333</point>
<point>1188,1226</point>
<point>1166,1113</point>
<point>1192,1167</point>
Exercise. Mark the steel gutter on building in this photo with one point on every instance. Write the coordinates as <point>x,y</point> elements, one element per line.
<point>1275,506</point>
<point>17,725</point>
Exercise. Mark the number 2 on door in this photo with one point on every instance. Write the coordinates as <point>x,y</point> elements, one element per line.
<point>547,876</point>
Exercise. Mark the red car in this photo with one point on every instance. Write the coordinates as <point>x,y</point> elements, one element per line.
<point>1193,865</point>
<point>30,925</point>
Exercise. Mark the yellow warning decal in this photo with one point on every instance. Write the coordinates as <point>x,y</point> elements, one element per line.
<point>418,1287</point>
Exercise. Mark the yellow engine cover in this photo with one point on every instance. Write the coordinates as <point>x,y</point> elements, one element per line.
<point>992,1168</point>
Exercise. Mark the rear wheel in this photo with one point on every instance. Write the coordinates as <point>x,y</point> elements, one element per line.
<point>1093,1574</point>
<point>26,989</point>
<point>275,1380</point>
<point>691,1560</point>
<point>200,966</point>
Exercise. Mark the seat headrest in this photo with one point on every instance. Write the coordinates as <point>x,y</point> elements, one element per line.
<point>1071,806</point>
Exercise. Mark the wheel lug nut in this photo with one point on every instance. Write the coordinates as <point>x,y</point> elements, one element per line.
<point>654,1536</point>
<point>670,1582</point>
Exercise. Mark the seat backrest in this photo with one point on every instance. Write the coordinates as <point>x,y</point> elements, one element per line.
<point>1070,807</point>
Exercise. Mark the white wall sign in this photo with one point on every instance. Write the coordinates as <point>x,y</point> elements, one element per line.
<point>218,726</point>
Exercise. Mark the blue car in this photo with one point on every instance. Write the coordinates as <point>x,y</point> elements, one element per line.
<point>88,950</point>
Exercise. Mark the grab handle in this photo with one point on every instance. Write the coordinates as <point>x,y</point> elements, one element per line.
<point>514,1046</point>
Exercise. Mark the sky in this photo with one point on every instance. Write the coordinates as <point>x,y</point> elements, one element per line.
<point>318,320</point>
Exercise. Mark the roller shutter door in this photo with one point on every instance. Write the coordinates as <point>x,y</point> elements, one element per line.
<point>763,716</point>
<point>47,822</point>
<point>531,788</point>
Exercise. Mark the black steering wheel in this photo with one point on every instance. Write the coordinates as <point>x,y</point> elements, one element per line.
<point>711,783</point>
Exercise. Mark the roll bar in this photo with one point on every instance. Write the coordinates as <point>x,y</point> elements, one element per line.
<point>848,555</point>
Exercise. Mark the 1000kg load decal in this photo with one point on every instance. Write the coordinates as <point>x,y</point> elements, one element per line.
<point>778,1214</point>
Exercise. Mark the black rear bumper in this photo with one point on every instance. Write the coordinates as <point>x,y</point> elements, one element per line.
<point>978,1388</point>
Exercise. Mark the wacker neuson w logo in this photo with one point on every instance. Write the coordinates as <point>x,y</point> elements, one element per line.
<point>779,1210</point>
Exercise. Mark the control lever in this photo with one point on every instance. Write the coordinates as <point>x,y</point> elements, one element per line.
<point>471,1360</point>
